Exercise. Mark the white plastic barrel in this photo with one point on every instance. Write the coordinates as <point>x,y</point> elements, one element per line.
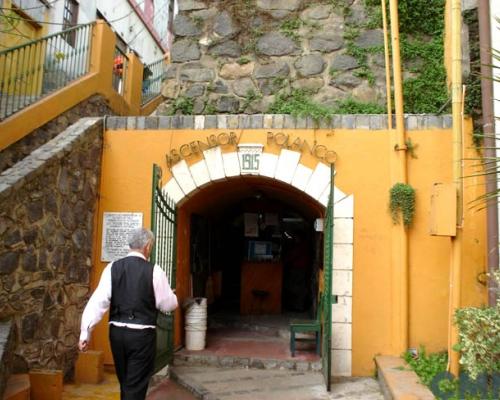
<point>196,323</point>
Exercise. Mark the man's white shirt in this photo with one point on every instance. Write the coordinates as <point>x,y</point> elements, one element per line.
<point>99,302</point>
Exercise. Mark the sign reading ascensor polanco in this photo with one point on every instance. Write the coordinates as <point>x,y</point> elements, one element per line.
<point>280,139</point>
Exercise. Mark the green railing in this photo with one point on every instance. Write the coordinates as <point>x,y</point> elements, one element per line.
<point>35,69</point>
<point>153,76</point>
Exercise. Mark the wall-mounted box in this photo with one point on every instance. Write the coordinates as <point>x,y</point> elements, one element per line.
<point>443,214</point>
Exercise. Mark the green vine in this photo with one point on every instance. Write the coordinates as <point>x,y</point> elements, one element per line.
<point>402,201</point>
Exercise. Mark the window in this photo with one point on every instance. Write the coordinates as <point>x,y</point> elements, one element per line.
<point>70,19</point>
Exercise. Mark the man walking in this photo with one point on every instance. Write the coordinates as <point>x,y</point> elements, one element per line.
<point>134,290</point>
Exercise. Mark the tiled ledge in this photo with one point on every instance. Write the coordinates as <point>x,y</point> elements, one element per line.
<point>274,121</point>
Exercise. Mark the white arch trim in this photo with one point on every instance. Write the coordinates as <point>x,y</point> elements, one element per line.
<point>315,183</point>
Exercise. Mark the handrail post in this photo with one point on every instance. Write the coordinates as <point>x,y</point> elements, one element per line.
<point>101,57</point>
<point>133,83</point>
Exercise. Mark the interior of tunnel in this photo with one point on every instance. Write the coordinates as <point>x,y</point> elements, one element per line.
<point>253,248</point>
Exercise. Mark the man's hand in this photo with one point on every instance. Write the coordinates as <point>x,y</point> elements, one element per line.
<point>83,345</point>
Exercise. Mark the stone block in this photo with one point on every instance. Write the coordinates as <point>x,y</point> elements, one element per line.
<point>342,310</point>
<point>318,182</point>
<point>187,122</point>
<point>268,121</point>
<point>301,123</point>
<point>89,367</point>
<point>378,122</point>
<point>343,256</point>
<point>276,44</point>
<point>141,123</point>
<point>199,172</point>
<point>164,122</point>
<point>348,121</point>
<point>257,121</point>
<point>278,121</point>
<point>362,122</point>
<point>289,122</point>
<point>173,190</point>
<point>182,175</point>
<point>151,123</point>
<point>344,207</point>
<point>287,164</point>
<point>344,229</point>
<point>199,122</point>
<point>301,177</point>
<point>222,122</point>
<point>215,163</point>
<point>185,26</point>
<point>326,42</point>
<point>233,122</point>
<point>268,163</point>
<point>185,50</point>
<point>231,164</point>
<point>310,64</point>
<point>342,283</point>
<point>131,123</point>
<point>229,48</point>
<point>46,384</point>
<point>111,123</point>
<point>341,336</point>
<point>341,362</point>
<point>224,25</point>
<point>210,121</point>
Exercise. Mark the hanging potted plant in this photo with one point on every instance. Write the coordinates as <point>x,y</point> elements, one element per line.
<point>402,202</point>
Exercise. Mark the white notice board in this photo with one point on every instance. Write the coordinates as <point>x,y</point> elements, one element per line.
<point>116,227</point>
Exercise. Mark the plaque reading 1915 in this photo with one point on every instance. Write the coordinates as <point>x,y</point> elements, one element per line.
<point>116,228</point>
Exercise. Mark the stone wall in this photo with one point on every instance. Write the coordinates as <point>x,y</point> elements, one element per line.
<point>47,204</point>
<point>236,56</point>
<point>95,106</point>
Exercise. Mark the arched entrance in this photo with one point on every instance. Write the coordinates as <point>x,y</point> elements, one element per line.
<point>236,220</point>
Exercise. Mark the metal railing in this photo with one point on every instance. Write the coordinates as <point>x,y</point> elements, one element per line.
<point>35,69</point>
<point>152,79</point>
<point>120,66</point>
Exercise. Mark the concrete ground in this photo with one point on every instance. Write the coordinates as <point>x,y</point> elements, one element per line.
<point>236,384</point>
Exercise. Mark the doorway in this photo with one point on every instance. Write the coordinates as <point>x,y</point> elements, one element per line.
<point>256,256</point>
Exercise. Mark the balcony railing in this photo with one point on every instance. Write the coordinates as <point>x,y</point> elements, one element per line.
<point>152,79</point>
<point>35,69</point>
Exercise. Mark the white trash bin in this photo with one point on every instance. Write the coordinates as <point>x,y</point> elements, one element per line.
<point>196,323</point>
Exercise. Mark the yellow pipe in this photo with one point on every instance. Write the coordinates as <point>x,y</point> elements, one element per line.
<point>456,242</point>
<point>400,234</point>
<point>387,66</point>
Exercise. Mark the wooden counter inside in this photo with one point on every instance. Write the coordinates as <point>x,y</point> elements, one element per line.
<point>261,288</point>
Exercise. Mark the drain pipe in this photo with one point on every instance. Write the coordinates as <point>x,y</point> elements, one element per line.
<point>387,66</point>
<point>483,9</point>
<point>456,241</point>
<point>399,174</point>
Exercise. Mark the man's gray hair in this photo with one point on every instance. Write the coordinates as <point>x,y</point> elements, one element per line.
<point>139,238</point>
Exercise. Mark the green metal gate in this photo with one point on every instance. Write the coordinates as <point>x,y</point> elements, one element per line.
<point>164,227</point>
<point>328,298</point>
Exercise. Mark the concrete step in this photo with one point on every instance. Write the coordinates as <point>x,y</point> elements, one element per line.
<point>210,383</point>
<point>18,387</point>
<point>234,361</point>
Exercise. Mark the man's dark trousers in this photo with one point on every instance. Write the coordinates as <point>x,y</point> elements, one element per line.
<point>134,355</point>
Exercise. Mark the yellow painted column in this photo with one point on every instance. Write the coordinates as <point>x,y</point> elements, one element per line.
<point>101,57</point>
<point>399,281</point>
<point>133,83</point>
<point>457,168</point>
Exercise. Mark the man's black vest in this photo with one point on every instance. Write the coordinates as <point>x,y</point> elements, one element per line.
<point>132,294</point>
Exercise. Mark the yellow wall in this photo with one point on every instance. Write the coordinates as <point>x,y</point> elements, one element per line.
<point>363,169</point>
